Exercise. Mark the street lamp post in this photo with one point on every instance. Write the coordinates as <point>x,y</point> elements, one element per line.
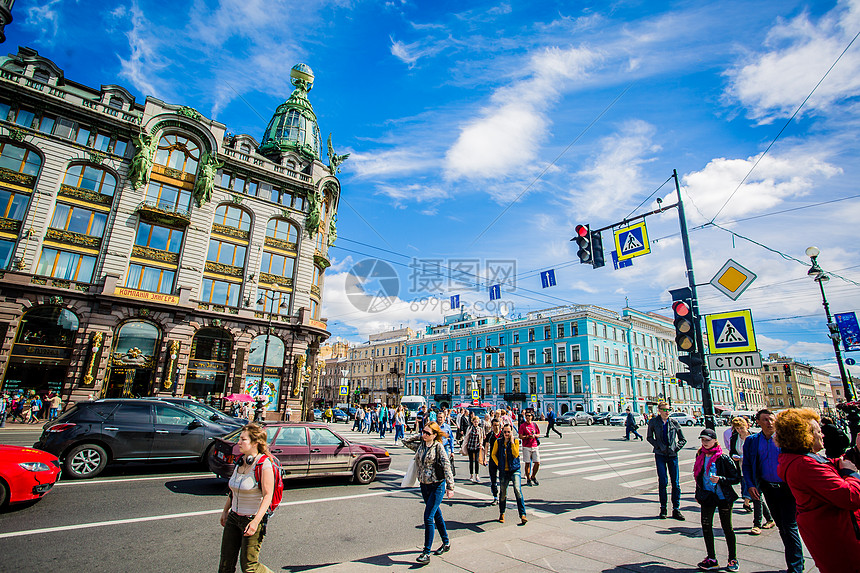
<point>666,395</point>
<point>821,277</point>
<point>264,297</point>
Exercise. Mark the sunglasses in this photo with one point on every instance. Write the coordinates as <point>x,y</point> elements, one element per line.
<point>427,433</point>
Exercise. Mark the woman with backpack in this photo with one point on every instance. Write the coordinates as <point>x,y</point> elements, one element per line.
<point>433,467</point>
<point>506,456</point>
<point>247,507</point>
<point>715,474</point>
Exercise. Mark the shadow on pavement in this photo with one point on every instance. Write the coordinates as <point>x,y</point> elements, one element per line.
<point>556,506</point>
<point>199,486</point>
<point>647,567</point>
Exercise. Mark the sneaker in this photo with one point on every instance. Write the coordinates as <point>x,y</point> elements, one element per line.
<point>677,515</point>
<point>662,514</point>
<point>709,564</point>
<point>755,531</point>
<point>447,547</point>
<point>535,481</point>
<point>528,482</point>
<point>423,558</point>
<point>495,501</point>
<point>733,565</point>
<point>768,525</point>
<point>523,520</point>
<point>477,479</point>
<point>502,518</point>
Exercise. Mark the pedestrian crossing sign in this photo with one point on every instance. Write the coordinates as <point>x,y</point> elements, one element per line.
<point>632,241</point>
<point>730,332</point>
<point>344,390</point>
<point>476,394</point>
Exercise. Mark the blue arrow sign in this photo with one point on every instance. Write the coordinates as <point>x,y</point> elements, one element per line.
<point>547,278</point>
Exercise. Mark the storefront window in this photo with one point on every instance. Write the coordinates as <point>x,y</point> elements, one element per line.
<point>210,360</point>
<point>274,357</point>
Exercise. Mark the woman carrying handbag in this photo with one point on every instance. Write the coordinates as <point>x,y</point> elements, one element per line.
<point>433,467</point>
<point>473,446</point>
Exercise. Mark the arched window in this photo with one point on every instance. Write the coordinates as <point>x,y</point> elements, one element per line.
<point>282,230</point>
<point>232,216</point>
<point>48,326</point>
<point>19,159</point>
<point>274,355</point>
<point>137,335</point>
<point>178,152</point>
<point>90,177</point>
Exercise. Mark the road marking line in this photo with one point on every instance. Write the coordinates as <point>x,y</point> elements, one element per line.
<point>626,472</point>
<point>187,476</point>
<point>179,515</point>
<point>603,466</point>
<point>581,462</point>
<point>594,452</point>
<point>585,451</point>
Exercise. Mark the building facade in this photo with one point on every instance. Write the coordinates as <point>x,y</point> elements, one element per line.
<point>148,251</point>
<point>788,383</point>
<point>571,357</point>
<point>748,389</point>
<point>376,368</point>
<point>823,391</point>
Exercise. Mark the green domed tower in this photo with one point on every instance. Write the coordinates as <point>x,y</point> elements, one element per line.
<point>294,125</point>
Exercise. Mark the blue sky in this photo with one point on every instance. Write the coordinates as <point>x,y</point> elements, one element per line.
<point>485,131</point>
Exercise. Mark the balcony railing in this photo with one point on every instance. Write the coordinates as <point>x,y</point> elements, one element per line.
<point>158,212</point>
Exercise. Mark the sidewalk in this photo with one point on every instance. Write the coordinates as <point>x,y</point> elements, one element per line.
<point>616,536</point>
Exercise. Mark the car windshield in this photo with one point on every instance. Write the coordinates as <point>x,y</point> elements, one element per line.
<point>199,409</point>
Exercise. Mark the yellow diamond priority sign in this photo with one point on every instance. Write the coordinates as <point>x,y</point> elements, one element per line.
<point>733,279</point>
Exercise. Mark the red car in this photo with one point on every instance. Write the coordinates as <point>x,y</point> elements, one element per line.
<point>26,474</point>
<point>306,449</point>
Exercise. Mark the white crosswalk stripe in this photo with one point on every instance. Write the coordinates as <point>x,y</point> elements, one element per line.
<point>561,454</point>
<point>582,462</point>
<point>609,475</point>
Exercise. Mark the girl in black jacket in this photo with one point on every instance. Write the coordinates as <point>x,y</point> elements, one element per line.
<point>715,474</point>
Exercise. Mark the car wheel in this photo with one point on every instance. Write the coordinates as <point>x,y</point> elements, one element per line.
<point>85,461</point>
<point>589,422</point>
<point>365,472</point>
<point>689,422</point>
<point>4,494</point>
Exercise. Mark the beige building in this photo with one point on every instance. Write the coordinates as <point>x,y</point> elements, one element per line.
<point>147,250</point>
<point>376,368</point>
<point>837,389</point>
<point>748,389</point>
<point>788,383</point>
<point>823,391</point>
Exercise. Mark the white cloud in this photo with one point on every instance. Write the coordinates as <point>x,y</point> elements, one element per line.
<point>412,52</point>
<point>773,82</point>
<point>775,179</point>
<point>412,192</point>
<point>511,129</point>
<point>390,162</point>
<point>145,60</point>
<point>45,18</point>
<point>615,174</point>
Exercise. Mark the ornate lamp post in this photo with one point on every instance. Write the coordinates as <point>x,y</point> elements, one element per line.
<point>853,411</point>
<point>264,297</point>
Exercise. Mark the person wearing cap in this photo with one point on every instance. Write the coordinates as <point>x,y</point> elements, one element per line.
<point>667,439</point>
<point>716,474</point>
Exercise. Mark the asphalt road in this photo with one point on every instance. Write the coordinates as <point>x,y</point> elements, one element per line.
<point>165,517</point>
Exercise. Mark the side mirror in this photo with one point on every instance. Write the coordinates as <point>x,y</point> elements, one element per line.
<point>195,423</point>
<point>214,417</point>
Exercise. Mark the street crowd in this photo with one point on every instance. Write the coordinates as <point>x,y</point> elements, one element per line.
<point>29,409</point>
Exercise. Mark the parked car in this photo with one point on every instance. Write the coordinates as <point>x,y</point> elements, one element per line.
<point>90,435</point>
<point>351,411</point>
<point>26,474</point>
<point>575,418</point>
<point>682,418</point>
<point>617,419</point>
<point>601,417</point>
<point>203,410</point>
<point>318,415</point>
<point>340,415</point>
<point>305,450</point>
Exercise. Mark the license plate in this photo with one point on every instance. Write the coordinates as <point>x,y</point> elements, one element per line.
<point>220,455</point>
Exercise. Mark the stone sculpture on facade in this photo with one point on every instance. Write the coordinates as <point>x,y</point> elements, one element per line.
<point>315,204</point>
<point>141,163</point>
<point>332,230</point>
<point>334,160</point>
<point>205,183</point>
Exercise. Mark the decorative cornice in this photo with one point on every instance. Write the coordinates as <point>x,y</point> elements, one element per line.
<point>10,225</point>
<point>285,282</point>
<point>280,244</point>
<point>16,178</point>
<point>72,238</point>
<point>152,212</point>
<point>222,269</point>
<point>321,260</point>
<point>85,195</point>
<point>155,254</point>
<point>173,173</point>
<point>231,231</point>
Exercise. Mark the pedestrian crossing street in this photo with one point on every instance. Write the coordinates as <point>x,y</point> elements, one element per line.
<point>623,463</point>
<point>600,464</point>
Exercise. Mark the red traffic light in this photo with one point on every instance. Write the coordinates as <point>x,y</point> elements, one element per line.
<point>582,230</point>
<point>680,308</point>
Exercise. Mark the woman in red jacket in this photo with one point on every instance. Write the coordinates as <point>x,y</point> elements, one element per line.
<point>827,492</point>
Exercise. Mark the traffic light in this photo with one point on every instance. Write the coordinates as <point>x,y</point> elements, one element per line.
<point>685,331</point>
<point>583,241</point>
<point>696,375</point>
<point>597,250</point>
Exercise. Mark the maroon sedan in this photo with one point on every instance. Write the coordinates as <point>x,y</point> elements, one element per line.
<point>306,449</point>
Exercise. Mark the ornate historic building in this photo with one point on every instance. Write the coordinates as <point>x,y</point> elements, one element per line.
<point>147,250</point>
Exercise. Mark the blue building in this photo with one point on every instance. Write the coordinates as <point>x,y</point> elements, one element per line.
<point>577,357</point>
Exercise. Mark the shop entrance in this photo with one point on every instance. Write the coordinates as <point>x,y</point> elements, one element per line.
<point>129,383</point>
<point>132,362</point>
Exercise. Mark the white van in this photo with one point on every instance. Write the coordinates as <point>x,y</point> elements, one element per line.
<point>730,415</point>
<point>413,404</point>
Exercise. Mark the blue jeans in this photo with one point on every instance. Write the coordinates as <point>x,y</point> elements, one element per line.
<point>666,466</point>
<point>382,429</point>
<point>505,478</point>
<point>433,493</point>
<point>783,508</point>
<point>632,430</point>
<point>398,432</point>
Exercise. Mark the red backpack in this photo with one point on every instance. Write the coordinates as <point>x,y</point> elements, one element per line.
<point>278,492</point>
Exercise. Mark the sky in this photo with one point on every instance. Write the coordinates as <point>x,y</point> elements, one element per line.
<point>481,133</point>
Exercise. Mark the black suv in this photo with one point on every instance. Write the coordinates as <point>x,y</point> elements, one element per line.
<point>89,435</point>
<point>202,410</point>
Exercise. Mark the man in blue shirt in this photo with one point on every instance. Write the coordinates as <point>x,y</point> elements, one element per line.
<point>665,435</point>
<point>761,456</point>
